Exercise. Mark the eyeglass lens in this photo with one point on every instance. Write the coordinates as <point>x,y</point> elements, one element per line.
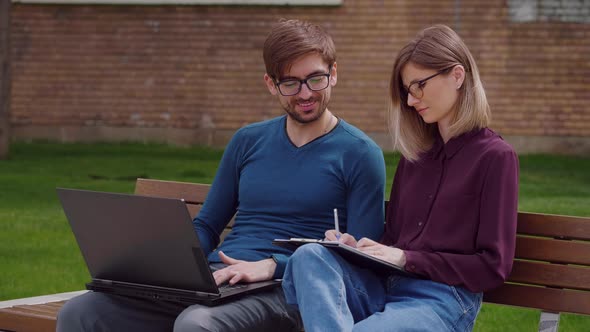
<point>314,83</point>
<point>416,89</point>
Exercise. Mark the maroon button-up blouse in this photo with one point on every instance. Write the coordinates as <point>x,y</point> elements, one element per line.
<point>454,211</point>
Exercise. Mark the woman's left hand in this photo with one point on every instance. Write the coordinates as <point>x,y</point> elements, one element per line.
<point>390,254</point>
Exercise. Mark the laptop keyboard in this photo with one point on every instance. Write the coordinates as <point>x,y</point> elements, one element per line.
<point>227,287</point>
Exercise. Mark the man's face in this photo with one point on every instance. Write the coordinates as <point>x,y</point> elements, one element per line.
<point>307,105</point>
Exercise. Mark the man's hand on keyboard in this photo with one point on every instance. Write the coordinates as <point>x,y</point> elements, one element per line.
<point>243,271</point>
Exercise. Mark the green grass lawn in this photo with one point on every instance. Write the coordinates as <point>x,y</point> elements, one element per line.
<point>39,255</point>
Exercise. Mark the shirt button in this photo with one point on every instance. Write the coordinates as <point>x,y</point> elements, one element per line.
<point>420,223</point>
<point>430,196</point>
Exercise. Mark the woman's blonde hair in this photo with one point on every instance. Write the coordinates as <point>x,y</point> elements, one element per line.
<point>437,47</point>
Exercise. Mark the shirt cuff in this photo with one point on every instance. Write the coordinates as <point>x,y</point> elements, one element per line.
<point>281,261</point>
<point>411,262</point>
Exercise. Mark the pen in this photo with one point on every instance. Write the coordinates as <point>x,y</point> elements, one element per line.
<point>336,225</point>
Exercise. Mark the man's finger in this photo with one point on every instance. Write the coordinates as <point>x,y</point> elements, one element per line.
<point>236,278</point>
<point>221,276</point>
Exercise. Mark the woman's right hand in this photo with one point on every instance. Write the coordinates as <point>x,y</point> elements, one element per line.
<point>332,235</point>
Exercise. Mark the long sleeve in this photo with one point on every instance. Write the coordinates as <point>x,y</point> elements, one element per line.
<point>222,200</point>
<point>366,195</point>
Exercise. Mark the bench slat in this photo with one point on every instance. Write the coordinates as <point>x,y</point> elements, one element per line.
<point>549,299</point>
<point>555,251</point>
<point>32,310</point>
<point>43,309</point>
<point>55,304</point>
<point>553,225</point>
<point>14,319</point>
<point>191,192</point>
<point>194,194</point>
<point>554,275</point>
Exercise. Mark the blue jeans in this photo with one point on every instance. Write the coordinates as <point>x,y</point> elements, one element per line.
<point>333,295</point>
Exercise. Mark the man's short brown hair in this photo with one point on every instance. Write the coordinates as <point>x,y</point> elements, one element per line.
<point>291,39</point>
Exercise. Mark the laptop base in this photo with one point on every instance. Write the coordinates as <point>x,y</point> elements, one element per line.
<point>178,295</point>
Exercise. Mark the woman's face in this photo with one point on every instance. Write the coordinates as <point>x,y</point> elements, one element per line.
<point>439,93</point>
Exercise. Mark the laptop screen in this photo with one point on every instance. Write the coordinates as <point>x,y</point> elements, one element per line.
<point>137,239</point>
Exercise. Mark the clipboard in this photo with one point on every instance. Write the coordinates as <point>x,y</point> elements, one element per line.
<point>349,253</point>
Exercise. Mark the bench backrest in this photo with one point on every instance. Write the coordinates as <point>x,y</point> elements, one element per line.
<point>194,194</point>
<point>551,270</point>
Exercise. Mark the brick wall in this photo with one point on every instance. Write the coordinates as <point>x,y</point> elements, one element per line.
<point>193,74</point>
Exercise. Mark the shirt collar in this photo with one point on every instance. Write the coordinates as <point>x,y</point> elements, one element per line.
<point>440,149</point>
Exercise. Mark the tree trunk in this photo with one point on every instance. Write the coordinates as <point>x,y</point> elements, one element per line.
<point>5,79</point>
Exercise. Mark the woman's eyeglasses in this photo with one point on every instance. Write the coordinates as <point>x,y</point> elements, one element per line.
<point>416,89</point>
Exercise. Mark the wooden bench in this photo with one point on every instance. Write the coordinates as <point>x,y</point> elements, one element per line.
<point>551,271</point>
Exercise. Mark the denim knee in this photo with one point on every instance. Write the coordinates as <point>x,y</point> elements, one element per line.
<point>304,257</point>
<point>309,251</point>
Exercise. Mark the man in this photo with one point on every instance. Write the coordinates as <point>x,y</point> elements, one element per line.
<point>283,178</point>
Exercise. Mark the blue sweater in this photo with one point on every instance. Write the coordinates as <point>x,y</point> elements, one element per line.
<point>281,191</point>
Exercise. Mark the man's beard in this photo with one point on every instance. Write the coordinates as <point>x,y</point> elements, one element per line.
<point>321,107</point>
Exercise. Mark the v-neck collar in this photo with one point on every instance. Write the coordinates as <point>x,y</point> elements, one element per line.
<point>310,143</point>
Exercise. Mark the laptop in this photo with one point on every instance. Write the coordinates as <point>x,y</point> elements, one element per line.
<point>145,247</point>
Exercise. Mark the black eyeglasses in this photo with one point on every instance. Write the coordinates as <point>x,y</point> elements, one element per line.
<point>416,89</point>
<point>292,86</point>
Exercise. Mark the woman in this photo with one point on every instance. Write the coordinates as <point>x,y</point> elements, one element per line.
<point>451,219</point>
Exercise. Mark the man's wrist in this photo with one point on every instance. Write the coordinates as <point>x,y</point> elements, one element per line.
<point>272,266</point>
